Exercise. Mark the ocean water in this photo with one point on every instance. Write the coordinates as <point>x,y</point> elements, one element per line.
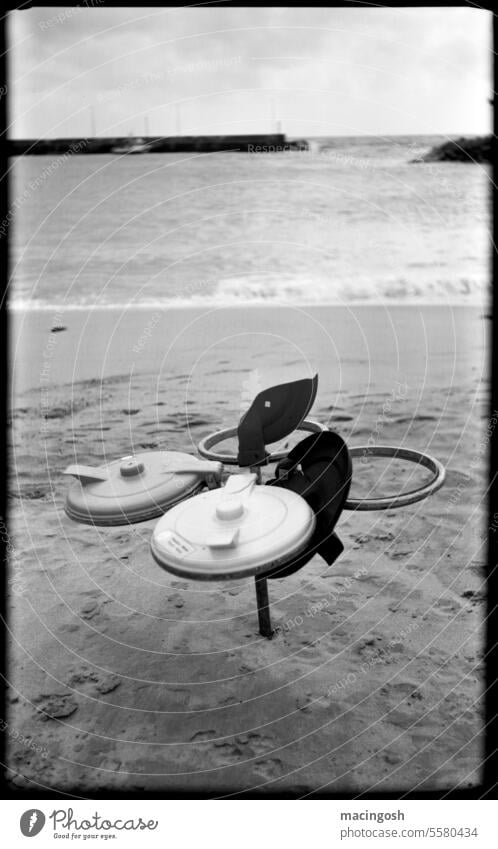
<point>350,221</point>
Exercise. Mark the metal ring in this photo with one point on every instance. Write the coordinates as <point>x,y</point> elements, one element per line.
<point>208,442</point>
<point>385,503</point>
<point>405,498</point>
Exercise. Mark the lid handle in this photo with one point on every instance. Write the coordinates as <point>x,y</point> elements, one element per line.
<point>198,467</point>
<point>86,474</point>
<point>224,538</point>
<point>210,470</point>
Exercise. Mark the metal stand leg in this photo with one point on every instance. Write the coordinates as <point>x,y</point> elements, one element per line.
<point>265,628</point>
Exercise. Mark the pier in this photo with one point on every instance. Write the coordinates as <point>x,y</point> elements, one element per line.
<point>258,143</point>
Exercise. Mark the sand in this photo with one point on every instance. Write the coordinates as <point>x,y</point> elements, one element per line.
<point>125,678</point>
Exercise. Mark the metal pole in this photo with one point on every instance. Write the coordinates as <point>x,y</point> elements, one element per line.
<point>265,628</point>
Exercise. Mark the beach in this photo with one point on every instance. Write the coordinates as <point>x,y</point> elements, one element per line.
<point>125,678</point>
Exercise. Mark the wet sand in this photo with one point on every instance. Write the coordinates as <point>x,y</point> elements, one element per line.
<point>124,677</point>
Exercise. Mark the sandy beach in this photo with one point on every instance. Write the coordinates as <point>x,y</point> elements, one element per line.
<point>123,677</point>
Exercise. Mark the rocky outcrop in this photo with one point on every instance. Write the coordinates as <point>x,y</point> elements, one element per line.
<point>477,149</point>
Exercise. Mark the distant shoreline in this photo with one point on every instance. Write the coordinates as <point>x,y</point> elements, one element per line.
<point>242,143</point>
<point>128,145</point>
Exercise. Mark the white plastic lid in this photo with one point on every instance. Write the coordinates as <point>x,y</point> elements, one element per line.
<point>135,488</point>
<point>238,530</point>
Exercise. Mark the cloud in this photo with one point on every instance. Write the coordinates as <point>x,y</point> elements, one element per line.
<point>372,70</point>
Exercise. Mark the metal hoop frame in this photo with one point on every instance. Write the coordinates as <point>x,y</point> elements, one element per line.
<point>391,501</point>
<point>205,445</point>
<point>388,502</point>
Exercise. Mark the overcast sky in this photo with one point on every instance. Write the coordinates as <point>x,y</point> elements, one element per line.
<point>229,70</point>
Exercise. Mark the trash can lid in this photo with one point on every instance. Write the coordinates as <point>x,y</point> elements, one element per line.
<point>238,530</point>
<point>135,488</point>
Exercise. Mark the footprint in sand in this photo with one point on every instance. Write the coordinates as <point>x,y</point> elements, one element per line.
<point>97,681</point>
<point>55,705</point>
<point>269,769</point>
<point>113,609</point>
<point>397,553</point>
<point>229,753</point>
<point>446,606</point>
<point>414,419</point>
<point>204,736</point>
<point>229,700</point>
<point>474,596</point>
<point>243,747</point>
<point>69,629</point>
<point>90,609</point>
<point>407,690</point>
<point>254,743</point>
<point>304,703</point>
<point>110,765</point>
<point>392,759</point>
<point>383,535</point>
<point>456,478</point>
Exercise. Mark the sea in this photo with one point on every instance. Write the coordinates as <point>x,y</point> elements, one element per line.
<point>349,221</point>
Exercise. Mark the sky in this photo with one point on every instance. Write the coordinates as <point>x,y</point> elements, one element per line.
<point>79,71</point>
